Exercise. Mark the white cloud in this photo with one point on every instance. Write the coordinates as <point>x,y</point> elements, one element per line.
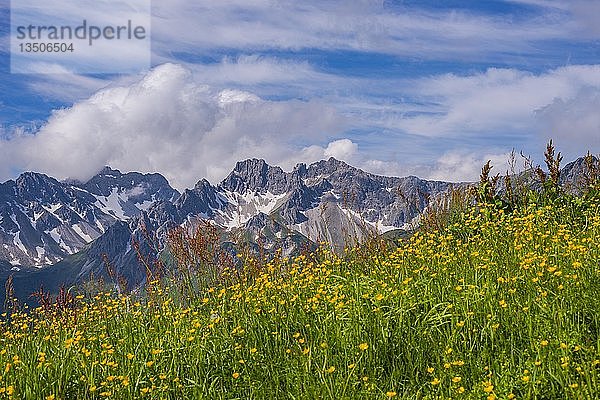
<point>342,149</point>
<point>583,15</point>
<point>573,123</point>
<point>231,96</point>
<point>372,26</point>
<point>270,75</point>
<point>181,26</point>
<point>167,122</point>
<point>460,166</point>
<point>503,101</point>
<point>451,166</point>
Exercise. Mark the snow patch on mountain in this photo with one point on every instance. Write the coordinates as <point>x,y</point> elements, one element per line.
<point>82,234</point>
<point>17,241</point>
<point>145,205</point>
<point>58,238</point>
<point>111,204</point>
<point>42,259</point>
<point>242,207</point>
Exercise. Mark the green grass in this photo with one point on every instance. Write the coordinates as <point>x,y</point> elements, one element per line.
<point>493,306</point>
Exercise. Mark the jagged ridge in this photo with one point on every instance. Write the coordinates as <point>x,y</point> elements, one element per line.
<point>64,228</point>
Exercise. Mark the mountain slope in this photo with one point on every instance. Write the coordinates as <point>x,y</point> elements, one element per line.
<point>42,220</point>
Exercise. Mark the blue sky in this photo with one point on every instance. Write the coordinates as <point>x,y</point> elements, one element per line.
<point>428,88</point>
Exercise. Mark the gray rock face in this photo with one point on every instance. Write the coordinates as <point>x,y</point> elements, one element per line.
<point>387,201</point>
<point>256,176</point>
<point>575,174</point>
<point>384,201</point>
<point>203,200</point>
<point>132,191</point>
<point>42,220</point>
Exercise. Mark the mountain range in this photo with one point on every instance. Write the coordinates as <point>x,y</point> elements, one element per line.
<point>58,232</point>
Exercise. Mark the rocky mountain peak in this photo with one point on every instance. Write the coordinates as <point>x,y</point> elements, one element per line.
<point>34,179</point>
<point>143,187</point>
<point>256,175</point>
<point>251,165</point>
<point>202,185</point>
<point>574,174</point>
<point>108,171</point>
<point>33,186</point>
<point>329,167</point>
<point>300,169</point>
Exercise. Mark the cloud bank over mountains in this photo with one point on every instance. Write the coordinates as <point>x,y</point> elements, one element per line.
<point>167,121</point>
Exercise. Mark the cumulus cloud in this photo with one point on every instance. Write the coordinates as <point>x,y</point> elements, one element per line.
<point>343,149</point>
<point>168,122</point>
<point>508,105</point>
<point>499,99</point>
<point>573,123</point>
